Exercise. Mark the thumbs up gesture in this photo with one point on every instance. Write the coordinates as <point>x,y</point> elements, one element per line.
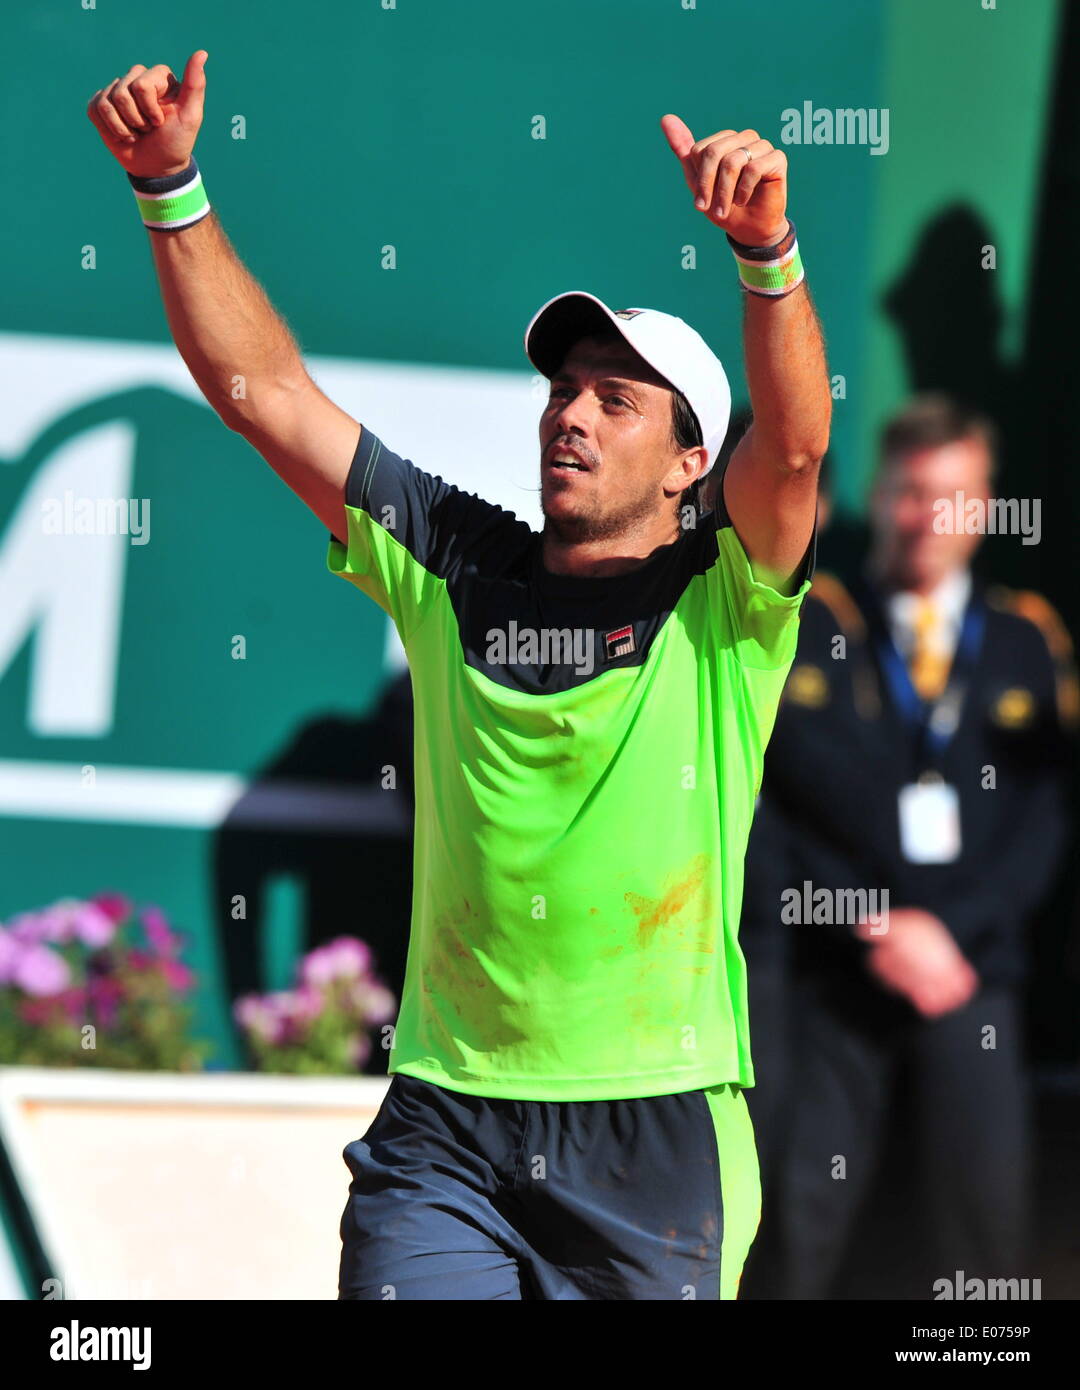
<point>738,180</point>
<point>149,120</point>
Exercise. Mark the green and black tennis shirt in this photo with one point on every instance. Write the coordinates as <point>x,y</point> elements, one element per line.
<point>588,754</point>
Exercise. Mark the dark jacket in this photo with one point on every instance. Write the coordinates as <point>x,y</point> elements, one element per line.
<point>841,752</point>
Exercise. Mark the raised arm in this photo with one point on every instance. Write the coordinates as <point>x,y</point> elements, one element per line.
<point>770,484</point>
<point>236,346</point>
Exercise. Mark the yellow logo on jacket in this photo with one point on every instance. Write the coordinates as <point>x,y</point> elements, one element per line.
<point>808,685</point>
<point>1014,708</point>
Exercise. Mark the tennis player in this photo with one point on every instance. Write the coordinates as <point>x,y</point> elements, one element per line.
<point>565,1117</point>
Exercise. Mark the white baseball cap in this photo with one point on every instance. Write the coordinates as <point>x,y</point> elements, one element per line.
<point>669,345</point>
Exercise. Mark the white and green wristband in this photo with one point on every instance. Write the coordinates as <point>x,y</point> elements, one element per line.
<point>172,201</point>
<point>771,271</point>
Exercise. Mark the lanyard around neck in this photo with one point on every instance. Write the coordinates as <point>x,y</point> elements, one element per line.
<point>934,721</point>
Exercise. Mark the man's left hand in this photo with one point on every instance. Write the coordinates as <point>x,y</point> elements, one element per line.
<point>745,197</point>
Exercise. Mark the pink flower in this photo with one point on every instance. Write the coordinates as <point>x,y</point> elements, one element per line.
<point>253,1015</point>
<point>294,1011</point>
<point>93,927</point>
<point>280,1018</point>
<point>114,905</point>
<point>372,1001</point>
<point>31,927</point>
<point>359,1049</point>
<point>158,932</point>
<point>177,975</point>
<point>10,951</point>
<point>58,922</point>
<point>66,920</point>
<point>69,919</point>
<point>344,958</point>
<point>40,972</point>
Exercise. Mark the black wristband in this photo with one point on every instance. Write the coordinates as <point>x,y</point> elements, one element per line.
<point>165,183</point>
<point>765,253</point>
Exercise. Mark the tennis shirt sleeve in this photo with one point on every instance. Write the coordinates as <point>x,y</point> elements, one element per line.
<point>762,623</point>
<point>406,532</point>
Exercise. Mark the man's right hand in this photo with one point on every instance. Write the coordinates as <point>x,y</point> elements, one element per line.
<point>149,120</point>
<point>918,958</point>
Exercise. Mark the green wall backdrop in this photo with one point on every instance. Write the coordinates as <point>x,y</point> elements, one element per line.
<point>412,127</point>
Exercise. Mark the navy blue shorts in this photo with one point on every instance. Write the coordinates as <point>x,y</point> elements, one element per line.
<point>467,1197</point>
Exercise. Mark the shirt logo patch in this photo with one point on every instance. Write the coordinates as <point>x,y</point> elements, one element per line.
<point>619,643</point>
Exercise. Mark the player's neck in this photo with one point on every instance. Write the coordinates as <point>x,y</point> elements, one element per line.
<point>603,557</point>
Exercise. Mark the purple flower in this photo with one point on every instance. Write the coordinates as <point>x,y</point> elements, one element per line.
<point>344,958</point>
<point>40,971</point>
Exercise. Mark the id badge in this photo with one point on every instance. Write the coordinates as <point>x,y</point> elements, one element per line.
<point>929,822</point>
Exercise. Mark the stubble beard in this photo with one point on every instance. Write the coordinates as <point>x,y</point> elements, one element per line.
<point>599,525</point>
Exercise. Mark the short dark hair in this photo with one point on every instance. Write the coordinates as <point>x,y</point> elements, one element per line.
<point>686,434</point>
<point>930,420</point>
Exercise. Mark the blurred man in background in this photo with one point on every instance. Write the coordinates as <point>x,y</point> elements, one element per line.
<point>920,752</point>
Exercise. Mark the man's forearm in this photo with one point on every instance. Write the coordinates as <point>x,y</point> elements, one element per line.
<point>787,377</point>
<point>236,345</point>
